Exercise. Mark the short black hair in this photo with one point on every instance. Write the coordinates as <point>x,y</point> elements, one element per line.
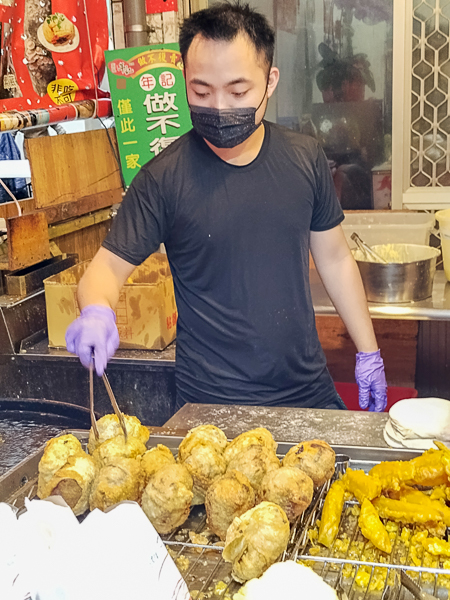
<point>223,22</point>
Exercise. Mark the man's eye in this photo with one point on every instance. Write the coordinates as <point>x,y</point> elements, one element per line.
<point>239,94</point>
<point>199,95</point>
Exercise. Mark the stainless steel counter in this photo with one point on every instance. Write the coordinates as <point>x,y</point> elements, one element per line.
<point>343,427</point>
<point>436,308</point>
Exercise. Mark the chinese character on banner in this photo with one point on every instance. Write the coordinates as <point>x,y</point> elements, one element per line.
<point>147,82</point>
<point>166,80</point>
<point>159,144</point>
<point>149,101</point>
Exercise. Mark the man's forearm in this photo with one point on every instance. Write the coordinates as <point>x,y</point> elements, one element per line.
<point>343,284</point>
<point>103,280</point>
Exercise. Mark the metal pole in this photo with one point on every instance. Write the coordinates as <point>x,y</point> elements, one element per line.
<point>135,23</point>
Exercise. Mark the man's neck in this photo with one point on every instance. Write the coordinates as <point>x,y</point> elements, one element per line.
<point>243,154</point>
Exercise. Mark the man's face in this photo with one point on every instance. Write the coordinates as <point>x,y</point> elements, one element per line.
<point>223,74</point>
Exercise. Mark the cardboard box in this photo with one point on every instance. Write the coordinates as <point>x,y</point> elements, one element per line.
<point>146,312</point>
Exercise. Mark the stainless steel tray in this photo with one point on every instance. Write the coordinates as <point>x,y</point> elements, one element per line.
<point>201,564</point>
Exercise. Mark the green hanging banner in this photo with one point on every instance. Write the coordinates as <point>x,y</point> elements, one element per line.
<point>149,102</point>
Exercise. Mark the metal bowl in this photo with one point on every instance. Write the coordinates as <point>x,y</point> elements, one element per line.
<point>396,282</point>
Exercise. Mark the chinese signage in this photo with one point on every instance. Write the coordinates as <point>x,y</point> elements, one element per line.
<point>51,53</point>
<point>149,102</point>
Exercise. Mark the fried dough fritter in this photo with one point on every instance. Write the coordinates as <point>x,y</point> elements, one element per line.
<point>109,427</point>
<point>120,479</point>
<point>154,459</point>
<point>73,482</point>
<point>255,540</point>
<point>315,458</point>
<point>167,497</point>
<point>205,464</point>
<point>289,488</point>
<point>259,436</point>
<point>255,462</point>
<point>229,496</point>
<point>203,434</point>
<point>115,447</point>
<point>56,454</point>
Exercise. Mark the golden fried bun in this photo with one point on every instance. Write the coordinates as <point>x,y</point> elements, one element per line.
<point>119,480</point>
<point>255,540</point>
<point>205,464</point>
<point>199,435</point>
<point>167,497</point>
<point>116,446</point>
<point>255,462</point>
<point>226,498</point>
<point>315,458</point>
<point>56,454</point>
<point>259,436</point>
<point>73,482</point>
<point>109,427</point>
<point>154,459</point>
<point>290,488</point>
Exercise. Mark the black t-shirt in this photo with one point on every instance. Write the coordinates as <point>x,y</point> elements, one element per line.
<point>237,239</point>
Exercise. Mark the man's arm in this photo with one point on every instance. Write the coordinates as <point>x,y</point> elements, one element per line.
<point>342,280</point>
<point>103,280</point>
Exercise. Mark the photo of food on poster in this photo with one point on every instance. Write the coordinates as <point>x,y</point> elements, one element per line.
<point>52,52</point>
<point>149,102</point>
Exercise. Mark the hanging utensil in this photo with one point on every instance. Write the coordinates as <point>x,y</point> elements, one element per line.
<point>367,250</point>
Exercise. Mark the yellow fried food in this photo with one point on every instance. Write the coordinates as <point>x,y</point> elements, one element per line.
<point>56,454</point>
<point>255,462</point>
<point>109,427</point>
<point>436,546</point>
<point>259,436</point>
<point>331,514</point>
<point>372,528</point>
<point>361,485</point>
<point>315,458</point>
<point>229,496</point>
<point>255,540</point>
<point>115,447</point>
<point>429,469</point>
<point>289,488</point>
<point>154,459</point>
<point>73,482</point>
<point>205,464</point>
<point>393,474</point>
<point>203,434</point>
<point>119,480</point>
<point>167,497</point>
<point>406,512</point>
<point>409,494</point>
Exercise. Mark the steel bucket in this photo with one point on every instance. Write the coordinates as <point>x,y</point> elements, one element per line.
<point>408,278</point>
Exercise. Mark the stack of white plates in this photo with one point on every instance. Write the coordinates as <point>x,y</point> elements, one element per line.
<point>417,422</point>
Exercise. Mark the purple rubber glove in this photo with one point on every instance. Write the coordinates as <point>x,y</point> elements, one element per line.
<point>371,380</point>
<point>94,330</point>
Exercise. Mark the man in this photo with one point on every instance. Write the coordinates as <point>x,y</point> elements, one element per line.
<point>238,203</point>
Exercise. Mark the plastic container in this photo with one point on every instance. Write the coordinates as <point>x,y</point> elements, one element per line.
<point>443,218</point>
<point>389,227</point>
<point>350,394</point>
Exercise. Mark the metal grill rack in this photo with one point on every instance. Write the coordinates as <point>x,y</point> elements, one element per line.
<point>208,576</point>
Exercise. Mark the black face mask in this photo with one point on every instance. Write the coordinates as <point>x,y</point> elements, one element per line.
<point>225,127</point>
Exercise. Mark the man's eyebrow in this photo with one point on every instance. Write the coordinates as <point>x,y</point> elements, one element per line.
<point>200,82</point>
<point>197,81</point>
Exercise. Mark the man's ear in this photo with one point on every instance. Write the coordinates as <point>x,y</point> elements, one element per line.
<point>272,81</point>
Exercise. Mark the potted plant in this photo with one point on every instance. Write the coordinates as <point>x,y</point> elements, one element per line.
<point>343,79</point>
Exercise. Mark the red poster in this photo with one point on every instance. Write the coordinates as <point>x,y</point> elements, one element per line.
<point>51,52</point>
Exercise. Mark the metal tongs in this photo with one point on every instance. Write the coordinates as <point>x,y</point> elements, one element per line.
<point>367,250</point>
<point>414,588</point>
<point>111,397</point>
